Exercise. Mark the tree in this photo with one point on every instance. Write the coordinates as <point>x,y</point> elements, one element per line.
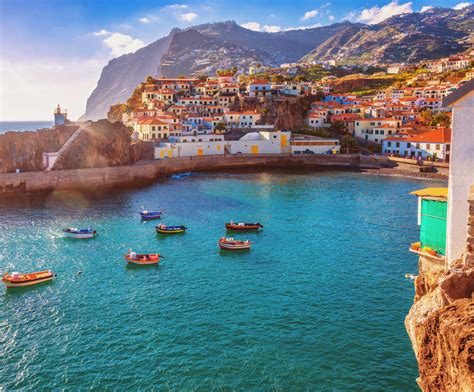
<point>150,79</point>
<point>278,78</point>
<point>348,143</point>
<point>338,127</point>
<point>441,119</point>
<point>300,78</point>
<point>220,126</point>
<point>426,116</point>
<point>182,77</point>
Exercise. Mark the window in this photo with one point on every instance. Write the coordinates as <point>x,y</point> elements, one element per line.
<point>397,144</point>
<point>389,144</point>
<point>428,146</point>
<point>448,147</point>
<point>408,145</point>
<point>417,145</point>
<point>437,146</point>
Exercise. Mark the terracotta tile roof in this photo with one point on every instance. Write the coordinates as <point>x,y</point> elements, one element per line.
<point>440,135</point>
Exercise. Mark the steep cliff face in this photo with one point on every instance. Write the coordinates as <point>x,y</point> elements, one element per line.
<point>200,49</point>
<point>24,150</point>
<point>285,113</point>
<point>101,144</point>
<point>122,74</point>
<point>441,328</point>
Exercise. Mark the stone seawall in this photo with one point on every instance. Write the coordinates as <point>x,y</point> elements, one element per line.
<point>22,183</point>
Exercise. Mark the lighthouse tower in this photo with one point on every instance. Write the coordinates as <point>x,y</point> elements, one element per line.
<point>60,117</point>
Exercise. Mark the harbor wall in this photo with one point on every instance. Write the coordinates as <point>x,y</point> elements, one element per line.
<point>93,178</point>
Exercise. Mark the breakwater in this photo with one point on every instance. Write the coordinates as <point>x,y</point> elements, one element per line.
<point>21,183</point>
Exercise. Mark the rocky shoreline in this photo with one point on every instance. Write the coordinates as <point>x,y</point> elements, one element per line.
<point>409,171</point>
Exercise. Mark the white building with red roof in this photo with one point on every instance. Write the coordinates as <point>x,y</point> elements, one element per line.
<point>434,145</point>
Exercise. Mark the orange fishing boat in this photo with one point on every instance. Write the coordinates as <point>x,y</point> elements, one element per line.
<point>142,259</point>
<point>15,279</point>
<point>243,226</point>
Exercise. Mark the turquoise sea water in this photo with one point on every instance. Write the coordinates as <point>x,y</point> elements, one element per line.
<point>317,304</point>
<point>6,126</point>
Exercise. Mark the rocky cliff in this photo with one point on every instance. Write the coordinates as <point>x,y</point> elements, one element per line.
<point>441,328</point>
<point>24,150</point>
<point>200,49</point>
<point>286,113</point>
<point>101,144</point>
<point>122,74</point>
<point>205,48</point>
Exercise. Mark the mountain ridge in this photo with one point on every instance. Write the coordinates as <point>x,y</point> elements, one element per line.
<point>204,48</point>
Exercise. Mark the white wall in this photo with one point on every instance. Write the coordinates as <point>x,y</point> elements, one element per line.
<point>461,176</point>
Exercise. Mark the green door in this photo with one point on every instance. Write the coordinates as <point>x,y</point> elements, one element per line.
<point>433,224</point>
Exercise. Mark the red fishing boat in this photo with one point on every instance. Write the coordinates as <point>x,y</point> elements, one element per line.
<point>142,259</point>
<point>15,279</point>
<point>232,244</point>
<point>243,226</point>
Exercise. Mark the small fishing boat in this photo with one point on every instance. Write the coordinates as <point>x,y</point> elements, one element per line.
<point>150,215</point>
<point>232,244</point>
<point>243,226</point>
<point>142,259</point>
<point>15,279</point>
<point>72,232</point>
<point>163,229</point>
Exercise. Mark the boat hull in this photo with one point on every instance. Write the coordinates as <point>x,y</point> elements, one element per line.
<point>147,217</point>
<point>232,227</point>
<point>170,230</point>
<point>81,236</point>
<point>31,280</point>
<point>139,262</point>
<point>234,247</point>
<point>150,259</point>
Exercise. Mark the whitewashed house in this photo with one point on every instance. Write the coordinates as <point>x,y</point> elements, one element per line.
<point>461,169</point>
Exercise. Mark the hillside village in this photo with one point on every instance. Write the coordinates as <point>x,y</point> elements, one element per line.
<point>232,113</point>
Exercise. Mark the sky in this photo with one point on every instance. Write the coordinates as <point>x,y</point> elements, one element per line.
<point>53,51</point>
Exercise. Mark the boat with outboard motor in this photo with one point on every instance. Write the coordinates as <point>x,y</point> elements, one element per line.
<point>243,226</point>
<point>72,232</point>
<point>15,279</point>
<point>150,215</point>
<point>233,244</point>
<point>142,258</point>
<point>164,229</point>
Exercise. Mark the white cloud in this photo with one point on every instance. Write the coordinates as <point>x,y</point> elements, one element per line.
<point>177,7</point>
<point>331,18</point>
<point>101,32</point>
<point>255,26</point>
<point>378,14</point>
<point>309,15</point>
<point>460,6</point>
<point>120,44</point>
<point>188,17</point>
<point>144,20</point>
<point>271,28</point>
<point>314,26</point>
<point>426,8</point>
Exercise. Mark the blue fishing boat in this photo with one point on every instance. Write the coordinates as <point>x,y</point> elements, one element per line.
<point>150,215</point>
<point>72,232</point>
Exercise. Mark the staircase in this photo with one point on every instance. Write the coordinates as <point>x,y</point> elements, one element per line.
<point>51,158</point>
